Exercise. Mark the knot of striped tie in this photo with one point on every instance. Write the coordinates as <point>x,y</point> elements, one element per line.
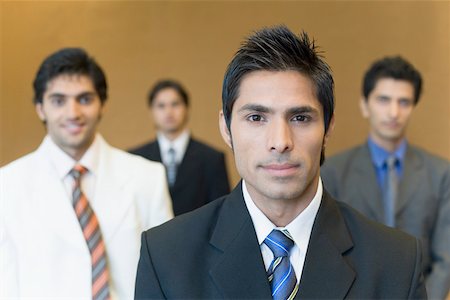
<point>92,234</point>
<point>281,274</point>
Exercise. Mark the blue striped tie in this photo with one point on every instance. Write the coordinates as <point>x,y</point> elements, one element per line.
<point>281,274</point>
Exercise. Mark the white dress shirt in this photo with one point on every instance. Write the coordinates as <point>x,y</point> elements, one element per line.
<point>179,145</point>
<point>63,164</point>
<point>300,229</point>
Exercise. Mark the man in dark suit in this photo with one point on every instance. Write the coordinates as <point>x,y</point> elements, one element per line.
<point>278,234</point>
<point>196,172</point>
<point>419,181</point>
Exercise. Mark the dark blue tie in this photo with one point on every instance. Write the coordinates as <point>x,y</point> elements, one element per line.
<point>281,274</point>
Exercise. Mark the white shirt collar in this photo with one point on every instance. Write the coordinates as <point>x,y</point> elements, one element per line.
<point>179,145</point>
<point>63,163</point>
<point>300,228</point>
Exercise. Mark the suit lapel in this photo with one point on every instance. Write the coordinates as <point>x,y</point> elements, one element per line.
<point>187,163</point>
<point>111,200</point>
<point>365,182</point>
<point>53,205</point>
<point>238,271</point>
<point>155,151</point>
<point>413,175</point>
<point>326,274</point>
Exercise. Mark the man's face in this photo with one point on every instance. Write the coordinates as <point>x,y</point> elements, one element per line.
<point>277,133</point>
<point>169,111</point>
<point>388,109</point>
<point>71,110</point>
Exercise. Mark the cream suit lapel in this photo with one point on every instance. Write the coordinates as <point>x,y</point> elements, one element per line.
<point>111,201</point>
<point>53,205</point>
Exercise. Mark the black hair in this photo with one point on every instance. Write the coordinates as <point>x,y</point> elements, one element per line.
<point>71,61</point>
<point>279,49</point>
<point>165,84</point>
<point>394,67</point>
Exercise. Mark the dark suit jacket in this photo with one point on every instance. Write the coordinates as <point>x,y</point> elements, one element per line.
<point>423,207</point>
<point>201,176</point>
<point>213,252</point>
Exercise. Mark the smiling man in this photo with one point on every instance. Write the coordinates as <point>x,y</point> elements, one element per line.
<point>278,234</point>
<point>71,213</point>
<point>391,181</point>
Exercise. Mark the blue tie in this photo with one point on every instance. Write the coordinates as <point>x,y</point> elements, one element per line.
<point>281,274</point>
<point>390,191</point>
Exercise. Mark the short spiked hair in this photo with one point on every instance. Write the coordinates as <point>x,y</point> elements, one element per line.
<point>279,49</point>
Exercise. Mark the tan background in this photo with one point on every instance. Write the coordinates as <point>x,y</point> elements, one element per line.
<point>140,42</point>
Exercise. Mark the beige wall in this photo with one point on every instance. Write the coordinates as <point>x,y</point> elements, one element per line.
<point>140,42</point>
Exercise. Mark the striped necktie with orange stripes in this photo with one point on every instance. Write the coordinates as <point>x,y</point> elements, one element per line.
<point>92,234</point>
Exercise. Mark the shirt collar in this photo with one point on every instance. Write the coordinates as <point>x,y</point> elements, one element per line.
<point>179,144</point>
<point>299,228</point>
<point>63,163</point>
<point>379,154</point>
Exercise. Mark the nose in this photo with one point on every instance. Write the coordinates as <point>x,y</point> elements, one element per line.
<point>73,109</point>
<point>280,136</point>
<point>394,109</point>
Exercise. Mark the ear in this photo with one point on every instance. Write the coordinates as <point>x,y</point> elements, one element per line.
<point>40,111</point>
<point>363,105</point>
<point>329,131</point>
<point>226,135</point>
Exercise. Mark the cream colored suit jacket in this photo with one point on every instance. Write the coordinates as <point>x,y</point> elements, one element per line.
<point>42,250</point>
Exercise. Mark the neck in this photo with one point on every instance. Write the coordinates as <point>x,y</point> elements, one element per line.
<point>281,212</point>
<point>76,155</point>
<point>388,145</point>
<point>172,135</point>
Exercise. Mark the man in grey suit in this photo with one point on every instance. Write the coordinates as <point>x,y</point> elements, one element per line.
<point>414,193</point>
<point>278,234</point>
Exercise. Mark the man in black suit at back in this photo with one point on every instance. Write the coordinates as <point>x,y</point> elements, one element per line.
<point>196,172</point>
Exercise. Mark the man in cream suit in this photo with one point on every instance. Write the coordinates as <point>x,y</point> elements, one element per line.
<point>421,181</point>
<point>71,213</point>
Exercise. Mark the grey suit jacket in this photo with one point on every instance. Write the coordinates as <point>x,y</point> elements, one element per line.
<point>423,207</point>
<point>213,252</point>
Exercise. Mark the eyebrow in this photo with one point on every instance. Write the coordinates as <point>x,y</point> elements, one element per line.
<point>302,109</point>
<point>57,94</point>
<point>255,107</point>
<point>383,97</point>
<point>290,111</point>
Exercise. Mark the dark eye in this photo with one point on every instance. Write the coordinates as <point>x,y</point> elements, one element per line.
<point>405,102</point>
<point>301,118</point>
<point>85,99</point>
<point>254,118</point>
<point>57,101</point>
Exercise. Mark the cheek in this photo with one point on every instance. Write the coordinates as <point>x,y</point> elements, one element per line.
<point>407,114</point>
<point>311,145</point>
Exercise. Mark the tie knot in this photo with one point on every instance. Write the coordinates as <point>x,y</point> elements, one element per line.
<point>391,161</point>
<point>280,242</point>
<point>78,171</point>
